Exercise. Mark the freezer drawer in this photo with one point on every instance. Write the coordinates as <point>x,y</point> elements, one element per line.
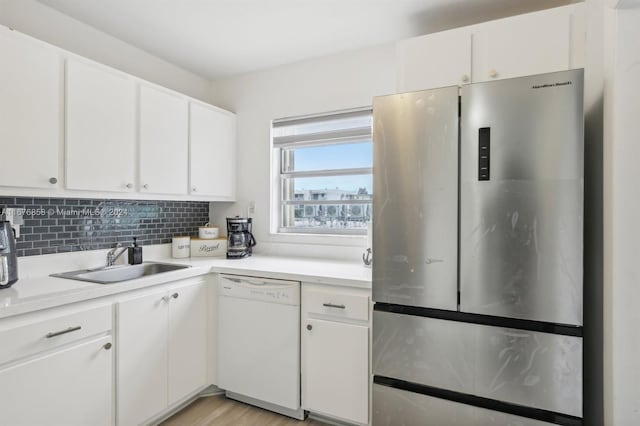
<point>521,198</point>
<point>416,202</point>
<point>397,407</point>
<point>528,368</point>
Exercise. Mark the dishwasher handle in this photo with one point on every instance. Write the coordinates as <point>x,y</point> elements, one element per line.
<point>257,282</point>
<point>244,280</point>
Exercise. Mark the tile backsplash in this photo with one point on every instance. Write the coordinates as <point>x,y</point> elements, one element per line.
<point>58,225</point>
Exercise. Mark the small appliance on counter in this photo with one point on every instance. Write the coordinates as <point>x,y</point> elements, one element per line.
<point>240,240</point>
<point>8,260</point>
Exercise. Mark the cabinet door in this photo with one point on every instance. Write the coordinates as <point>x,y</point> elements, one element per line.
<point>212,152</point>
<point>335,369</point>
<point>435,60</point>
<point>164,142</point>
<point>187,363</point>
<point>30,111</point>
<point>142,358</point>
<point>100,134</point>
<point>507,48</point>
<point>70,387</point>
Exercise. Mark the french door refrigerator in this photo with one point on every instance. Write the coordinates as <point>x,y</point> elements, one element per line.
<point>477,233</point>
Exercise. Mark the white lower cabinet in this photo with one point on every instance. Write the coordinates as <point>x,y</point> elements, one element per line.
<point>162,350</point>
<point>187,351</point>
<point>56,368</point>
<point>335,352</point>
<point>68,387</point>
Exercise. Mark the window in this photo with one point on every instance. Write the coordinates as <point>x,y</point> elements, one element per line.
<point>325,172</point>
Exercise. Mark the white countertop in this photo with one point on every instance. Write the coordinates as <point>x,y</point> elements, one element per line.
<point>41,292</point>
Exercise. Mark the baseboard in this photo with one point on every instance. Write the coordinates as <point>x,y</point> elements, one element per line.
<point>212,390</point>
<point>330,420</point>
<point>170,411</point>
<point>296,414</point>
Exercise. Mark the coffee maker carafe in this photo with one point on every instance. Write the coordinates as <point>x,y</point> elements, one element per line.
<point>8,260</point>
<point>239,237</point>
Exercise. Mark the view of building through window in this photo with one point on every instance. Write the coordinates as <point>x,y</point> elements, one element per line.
<point>333,215</point>
<point>325,172</point>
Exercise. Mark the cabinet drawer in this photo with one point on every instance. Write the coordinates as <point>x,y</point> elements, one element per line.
<point>49,331</point>
<point>336,304</point>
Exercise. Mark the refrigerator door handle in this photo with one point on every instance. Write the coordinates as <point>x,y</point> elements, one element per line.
<point>484,153</point>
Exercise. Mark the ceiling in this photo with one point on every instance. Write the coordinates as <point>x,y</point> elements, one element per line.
<point>219,38</point>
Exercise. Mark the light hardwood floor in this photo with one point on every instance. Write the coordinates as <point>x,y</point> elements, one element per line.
<point>221,411</point>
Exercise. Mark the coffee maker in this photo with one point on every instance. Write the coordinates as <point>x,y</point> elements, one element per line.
<point>240,240</point>
<point>8,260</point>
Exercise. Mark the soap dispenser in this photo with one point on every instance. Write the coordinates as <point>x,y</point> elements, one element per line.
<point>135,253</point>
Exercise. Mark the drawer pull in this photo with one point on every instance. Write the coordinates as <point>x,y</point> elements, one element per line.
<point>331,305</point>
<point>59,333</point>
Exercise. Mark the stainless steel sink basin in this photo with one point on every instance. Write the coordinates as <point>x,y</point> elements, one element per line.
<point>116,274</point>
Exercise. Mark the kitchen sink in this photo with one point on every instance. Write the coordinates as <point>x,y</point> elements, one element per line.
<point>116,274</point>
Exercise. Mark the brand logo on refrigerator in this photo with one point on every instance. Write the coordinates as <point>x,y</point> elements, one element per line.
<point>544,86</point>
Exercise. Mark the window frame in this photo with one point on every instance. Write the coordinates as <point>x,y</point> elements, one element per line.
<point>283,178</point>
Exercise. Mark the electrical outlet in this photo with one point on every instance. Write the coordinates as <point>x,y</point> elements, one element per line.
<point>252,207</point>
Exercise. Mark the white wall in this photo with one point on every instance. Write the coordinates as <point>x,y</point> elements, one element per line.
<point>346,80</point>
<point>51,26</point>
<point>622,317</point>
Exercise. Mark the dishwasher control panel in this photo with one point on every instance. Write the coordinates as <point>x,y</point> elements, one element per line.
<point>263,289</point>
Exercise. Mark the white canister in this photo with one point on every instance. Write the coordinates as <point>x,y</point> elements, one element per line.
<point>207,232</point>
<point>180,247</point>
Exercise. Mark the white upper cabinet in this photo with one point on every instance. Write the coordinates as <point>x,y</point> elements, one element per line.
<point>435,60</point>
<point>534,43</point>
<point>164,149</point>
<point>212,152</point>
<point>30,111</point>
<point>101,129</point>
<point>74,127</point>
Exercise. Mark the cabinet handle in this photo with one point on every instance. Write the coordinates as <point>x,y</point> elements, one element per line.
<point>194,189</point>
<point>129,185</point>
<point>59,333</point>
<point>309,327</point>
<point>108,346</point>
<point>331,305</point>
<point>493,73</point>
<point>145,186</point>
<point>175,295</point>
<point>53,180</point>
<point>465,78</point>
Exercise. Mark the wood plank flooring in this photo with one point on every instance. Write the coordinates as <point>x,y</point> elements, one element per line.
<point>221,411</point>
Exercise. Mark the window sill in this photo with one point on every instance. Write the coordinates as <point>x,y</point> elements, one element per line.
<point>319,239</point>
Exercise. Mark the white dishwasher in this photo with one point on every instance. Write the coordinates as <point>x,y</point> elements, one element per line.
<point>259,342</point>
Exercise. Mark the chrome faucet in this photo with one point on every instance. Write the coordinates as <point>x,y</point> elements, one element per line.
<point>112,257</point>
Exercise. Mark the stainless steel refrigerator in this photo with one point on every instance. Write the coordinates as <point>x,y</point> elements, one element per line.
<point>477,235</point>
